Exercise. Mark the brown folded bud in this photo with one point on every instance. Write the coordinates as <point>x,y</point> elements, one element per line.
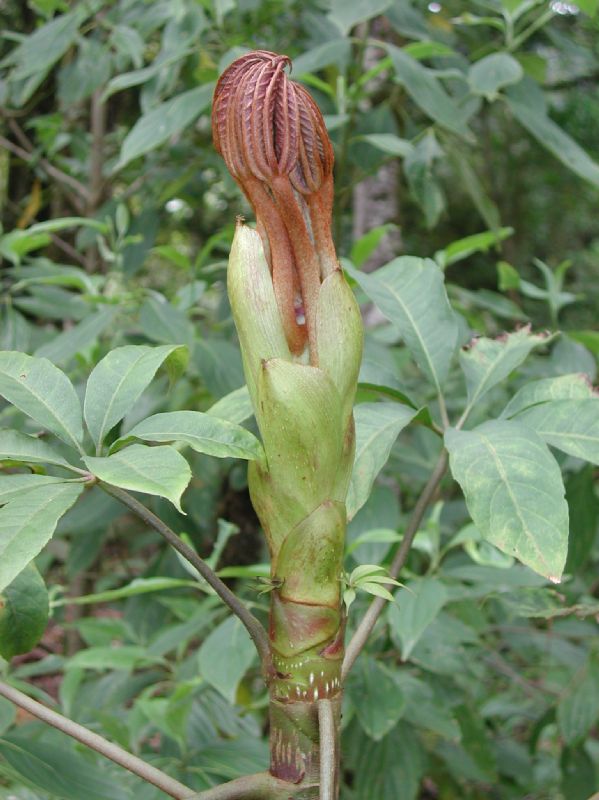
<point>273,139</point>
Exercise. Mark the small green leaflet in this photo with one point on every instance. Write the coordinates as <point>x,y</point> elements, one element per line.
<point>118,380</point>
<point>44,393</point>
<point>575,386</point>
<point>15,446</point>
<point>416,606</point>
<point>569,425</point>
<point>153,470</point>
<point>204,433</point>
<point>26,527</point>
<point>377,427</point>
<point>225,656</point>
<point>486,362</point>
<point>23,613</point>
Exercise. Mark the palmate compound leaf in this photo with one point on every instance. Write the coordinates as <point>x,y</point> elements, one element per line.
<point>160,471</point>
<point>514,492</point>
<point>25,527</point>
<point>44,393</point>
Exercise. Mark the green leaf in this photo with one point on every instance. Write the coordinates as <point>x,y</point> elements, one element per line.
<point>424,709</point>
<point>70,342</point>
<point>391,768</point>
<point>347,13</point>
<point>584,508</point>
<point>388,143</point>
<point>125,657</point>
<point>23,613</point>
<point>234,407</point>
<point>14,486</point>
<point>59,770</point>
<point>590,339</point>
<point>43,392</point>
<point>165,120</point>
<point>160,471</point>
<point>569,425</point>
<point>414,609</point>
<point>225,656</point>
<point>137,586</point>
<point>204,433</point>
<point>363,570</point>
<point>162,322</point>
<point>44,47</point>
<point>427,91</point>
<point>385,535</point>
<point>386,701</point>
<point>376,589</point>
<point>15,446</point>
<point>492,301</point>
<point>477,243</point>
<point>8,714</point>
<point>486,362</point>
<point>366,245</point>
<point>335,51</point>
<point>116,383</point>
<point>514,492</point>
<point>410,293</point>
<point>25,527</point>
<point>589,7</point>
<point>470,178</point>
<point>487,76</point>
<point>554,139</point>
<point>377,427</point>
<point>575,386</point>
<point>578,709</point>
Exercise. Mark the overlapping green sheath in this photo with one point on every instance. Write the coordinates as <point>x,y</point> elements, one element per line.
<point>305,418</point>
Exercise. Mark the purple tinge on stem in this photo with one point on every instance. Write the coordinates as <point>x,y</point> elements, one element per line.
<point>273,139</point>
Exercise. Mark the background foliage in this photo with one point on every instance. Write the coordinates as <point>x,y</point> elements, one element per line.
<point>465,133</point>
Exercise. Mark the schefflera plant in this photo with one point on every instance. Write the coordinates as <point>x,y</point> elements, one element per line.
<point>301,335</point>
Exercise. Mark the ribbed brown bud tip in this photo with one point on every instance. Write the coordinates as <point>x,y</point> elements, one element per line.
<point>275,144</point>
<point>265,125</point>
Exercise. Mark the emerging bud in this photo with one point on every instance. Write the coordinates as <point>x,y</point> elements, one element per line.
<point>273,139</point>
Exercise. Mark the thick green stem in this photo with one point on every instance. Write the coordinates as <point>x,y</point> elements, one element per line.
<point>296,748</point>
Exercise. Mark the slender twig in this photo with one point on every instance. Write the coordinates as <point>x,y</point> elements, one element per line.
<point>260,786</point>
<point>369,620</point>
<point>52,171</point>
<point>443,411</point>
<point>253,625</point>
<point>328,750</point>
<point>112,751</point>
<point>96,161</point>
<point>67,248</point>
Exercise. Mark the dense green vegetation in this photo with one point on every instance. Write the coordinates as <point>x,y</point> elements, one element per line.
<point>464,134</point>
